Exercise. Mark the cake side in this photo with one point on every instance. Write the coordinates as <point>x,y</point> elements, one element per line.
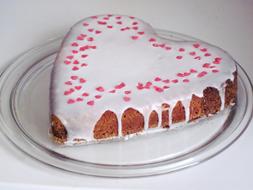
<point>133,121</point>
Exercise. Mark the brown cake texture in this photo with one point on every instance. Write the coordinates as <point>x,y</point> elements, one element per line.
<point>153,120</point>
<point>165,115</point>
<point>178,113</point>
<point>58,130</point>
<point>109,122</point>
<point>133,121</point>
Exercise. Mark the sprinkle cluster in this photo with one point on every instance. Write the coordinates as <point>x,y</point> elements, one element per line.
<point>85,45</point>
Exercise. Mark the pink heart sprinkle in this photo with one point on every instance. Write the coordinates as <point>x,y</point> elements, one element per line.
<point>193,71</point>
<point>180,74</point>
<point>83,48</point>
<point>83,35</point>
<point>110,27</point>
<point>198,58</point>
<point>135,28</point>
<point>80,38</point>
<point>70,101</point>
<point>215,71</point>
<point>84,55</point>
<point>85,24</point>
<point>158,89</point>
<point>186,74</point>
<point>119,22</point>
<point>134,37</point>
<point>74,44</point>
<point>75,68</point>
<point>79,99</point>
<point>106,18</point>
<point>90,103</point>
<point>121,85</point>
<point>166,87</point>
<point>76,62</point>
<point>118,17</point>
<point>148,85</point>
<point>126,98</point>
<point>157,79</point>
<point>131,17</point>
<point>78,87</point>
<point>174,81</point>
<point>74,51</point>
<point>98,32</point>
<point>112,91</point>
<point>196,45</point>
<point>68,83</point>
<point>140,86</point>
<point>85,94</point>
<point>90,29</point>
<point>181,49</point>
<point>67,62</point>
<point>179,57</point>
<point>67,93</point>
<point>92,47</point>
<point>186,80</point>
<point>127,92</point>
<point>134,23</point>
<point>152,39</point>
<point>166,81</point>
<point>102,22</point>
<point>192,53</point>
<point>70,57</point>
<point>207,54</point>
<point>90,39</point>
<point>100,89</point>
<point>84,65</point>
<point>201,74</point>
<point>206,65</point>
<point>203,49</point>
<point>141,33</point>
<point>74,77</point>
<point>82,80</point>
<point>98,96</point>
<point>217,60</point>
<point>167,48</point>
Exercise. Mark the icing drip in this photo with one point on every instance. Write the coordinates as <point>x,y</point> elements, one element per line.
<point>114,62</point>
<point>159,112</point>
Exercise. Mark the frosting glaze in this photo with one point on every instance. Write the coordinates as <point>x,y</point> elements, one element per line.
<point>113,62</point>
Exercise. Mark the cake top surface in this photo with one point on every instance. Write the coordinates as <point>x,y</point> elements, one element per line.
<point>112,62</point>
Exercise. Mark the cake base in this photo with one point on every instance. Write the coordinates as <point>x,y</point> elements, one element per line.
<point>133,121</point>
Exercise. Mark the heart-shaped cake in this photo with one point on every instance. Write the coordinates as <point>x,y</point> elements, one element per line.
<point>114,77</point>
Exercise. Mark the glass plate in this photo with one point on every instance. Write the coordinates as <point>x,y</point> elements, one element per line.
<point>24,119</point>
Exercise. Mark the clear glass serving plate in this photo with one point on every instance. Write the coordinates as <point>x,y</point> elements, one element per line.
<point>24,119</point>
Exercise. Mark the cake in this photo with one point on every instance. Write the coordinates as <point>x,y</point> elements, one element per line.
<point>114,78</point>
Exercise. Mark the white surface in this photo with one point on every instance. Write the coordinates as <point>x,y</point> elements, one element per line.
<point>228,24</point>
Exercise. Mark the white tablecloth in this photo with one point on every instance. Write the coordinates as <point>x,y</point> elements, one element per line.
<point>228,24</point>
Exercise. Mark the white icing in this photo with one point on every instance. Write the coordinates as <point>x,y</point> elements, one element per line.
<point>114,57</point>
<point>159,111</point>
